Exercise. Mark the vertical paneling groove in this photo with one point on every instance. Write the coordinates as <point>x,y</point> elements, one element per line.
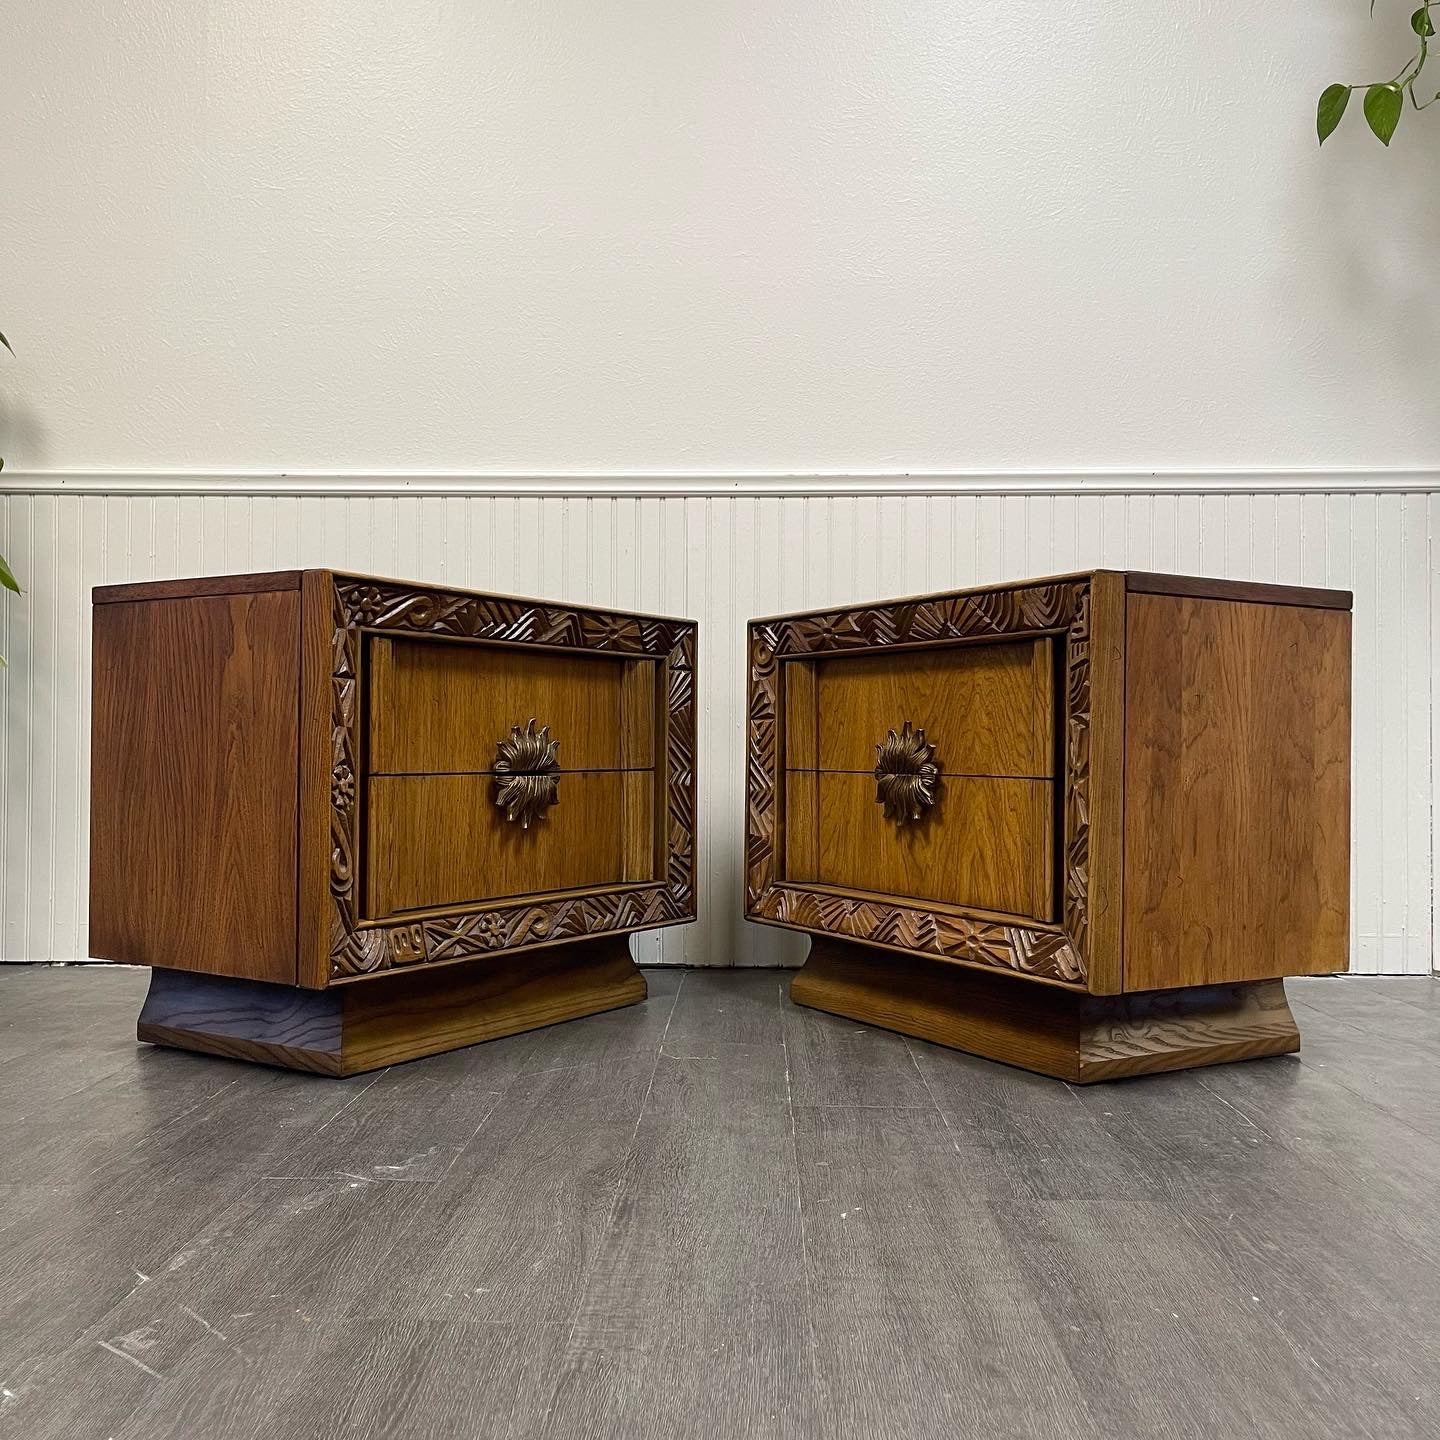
<point>1432,544</point>
<point>721,560</point>
<point>1369,746</point>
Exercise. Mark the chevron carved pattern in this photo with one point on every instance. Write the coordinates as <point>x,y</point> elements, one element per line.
<point>362,604</point>
<point>1063,606</point>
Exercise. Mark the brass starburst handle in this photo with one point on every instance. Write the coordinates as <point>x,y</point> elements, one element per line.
<point>905,775</point>
<point>526,784</point>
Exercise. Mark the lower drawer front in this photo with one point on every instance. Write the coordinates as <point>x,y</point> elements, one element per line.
<point>987,844</point>
<point>438,841</point>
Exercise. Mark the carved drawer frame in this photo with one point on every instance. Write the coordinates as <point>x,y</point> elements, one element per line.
<point>339,609</point>
<point>1066,953</point>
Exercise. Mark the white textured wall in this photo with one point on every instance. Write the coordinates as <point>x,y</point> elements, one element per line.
<point>722,559</point>
<point>779,235</point>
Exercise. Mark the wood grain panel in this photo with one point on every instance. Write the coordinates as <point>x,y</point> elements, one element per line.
<point>193,784</point>
<point>639,716</point>
<point>1056,1032</point>
<point>987,844</point>
<point>1237,813</point>
<point>355,1028</point>
<point>426,1012</point>
<point>197,588</point>
<point>798,694</point>
<point>437,706</point>
<point>802,825</point>
<point>438,840</point>
<point>987,709</point>
<point>1206,587</point>
<point>315,850</point>
<point>639,793</point>
<point>244,1020</point>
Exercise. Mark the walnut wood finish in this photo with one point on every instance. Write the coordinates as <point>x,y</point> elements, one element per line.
<point>192,793</point>
<point>642,718</point>
<point>439,841</point>
<point>1200,803</point>
<point>245,825</point>
<point>1074,1037</point>
<point>986,844</point>
<point>784,647</point>
<point>801,846</point>
<point>361,606</point>
<point>640,838</point>
<point>193,589</point>
<point>441,706</point>
<point>354,1028</point>
<point>319,786</point>
<point>1104,792</point>
<point>1205,587</point>
<point>988,709</point>
<point>1237,823</point>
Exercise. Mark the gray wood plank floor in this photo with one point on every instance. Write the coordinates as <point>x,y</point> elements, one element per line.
<point>715,1214</point>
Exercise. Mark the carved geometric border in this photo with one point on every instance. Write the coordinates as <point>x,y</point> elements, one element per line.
<point>359,948</point>
<point>1063,606</point>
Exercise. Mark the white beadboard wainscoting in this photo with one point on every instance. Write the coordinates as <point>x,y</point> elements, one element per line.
<point>720,551</point>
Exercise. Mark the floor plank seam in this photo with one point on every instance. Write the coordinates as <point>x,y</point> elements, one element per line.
<point>1273,1322</point>
<point>496,1096</point>
<point>806,1264</point>
<point>614,1201</point>
<point>812,1105</point>
<point>930,1094</point>
<point>1201,1079</point>
<point>1328,1073</point>
<point>1375,1026</point>
<point>170,1273</point>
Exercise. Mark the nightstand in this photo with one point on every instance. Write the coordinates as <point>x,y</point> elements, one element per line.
<point>352,820</point>
<point>1085,825</point>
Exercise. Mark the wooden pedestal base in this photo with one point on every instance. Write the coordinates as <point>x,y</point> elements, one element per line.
<point>1058,1032</point>
<point>371,1023</point>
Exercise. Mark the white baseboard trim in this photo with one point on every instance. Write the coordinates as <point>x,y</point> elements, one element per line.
<point>1260,481</point>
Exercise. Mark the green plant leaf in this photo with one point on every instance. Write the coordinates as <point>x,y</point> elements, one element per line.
<point>1421,23</point>
<point>1383,104</point>
<point>1333,101</point>
<point>7,577</point>
<point>5,343</point>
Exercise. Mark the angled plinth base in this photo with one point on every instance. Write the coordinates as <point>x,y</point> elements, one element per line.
<point>371,1023</point>
<point>1069,1035</point>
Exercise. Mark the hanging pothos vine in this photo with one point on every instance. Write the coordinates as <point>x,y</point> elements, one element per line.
<point>1384,99</point>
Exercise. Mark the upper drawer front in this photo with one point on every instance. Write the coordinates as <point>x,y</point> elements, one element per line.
<point>988,709</point>
<point>437,707</point>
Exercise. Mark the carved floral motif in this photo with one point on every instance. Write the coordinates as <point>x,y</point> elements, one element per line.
<point>526,784</point>
<point>905,774</point>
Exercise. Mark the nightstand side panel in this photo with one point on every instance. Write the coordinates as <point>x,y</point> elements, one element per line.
<point>193,783</point>
<point>1237,811</point>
